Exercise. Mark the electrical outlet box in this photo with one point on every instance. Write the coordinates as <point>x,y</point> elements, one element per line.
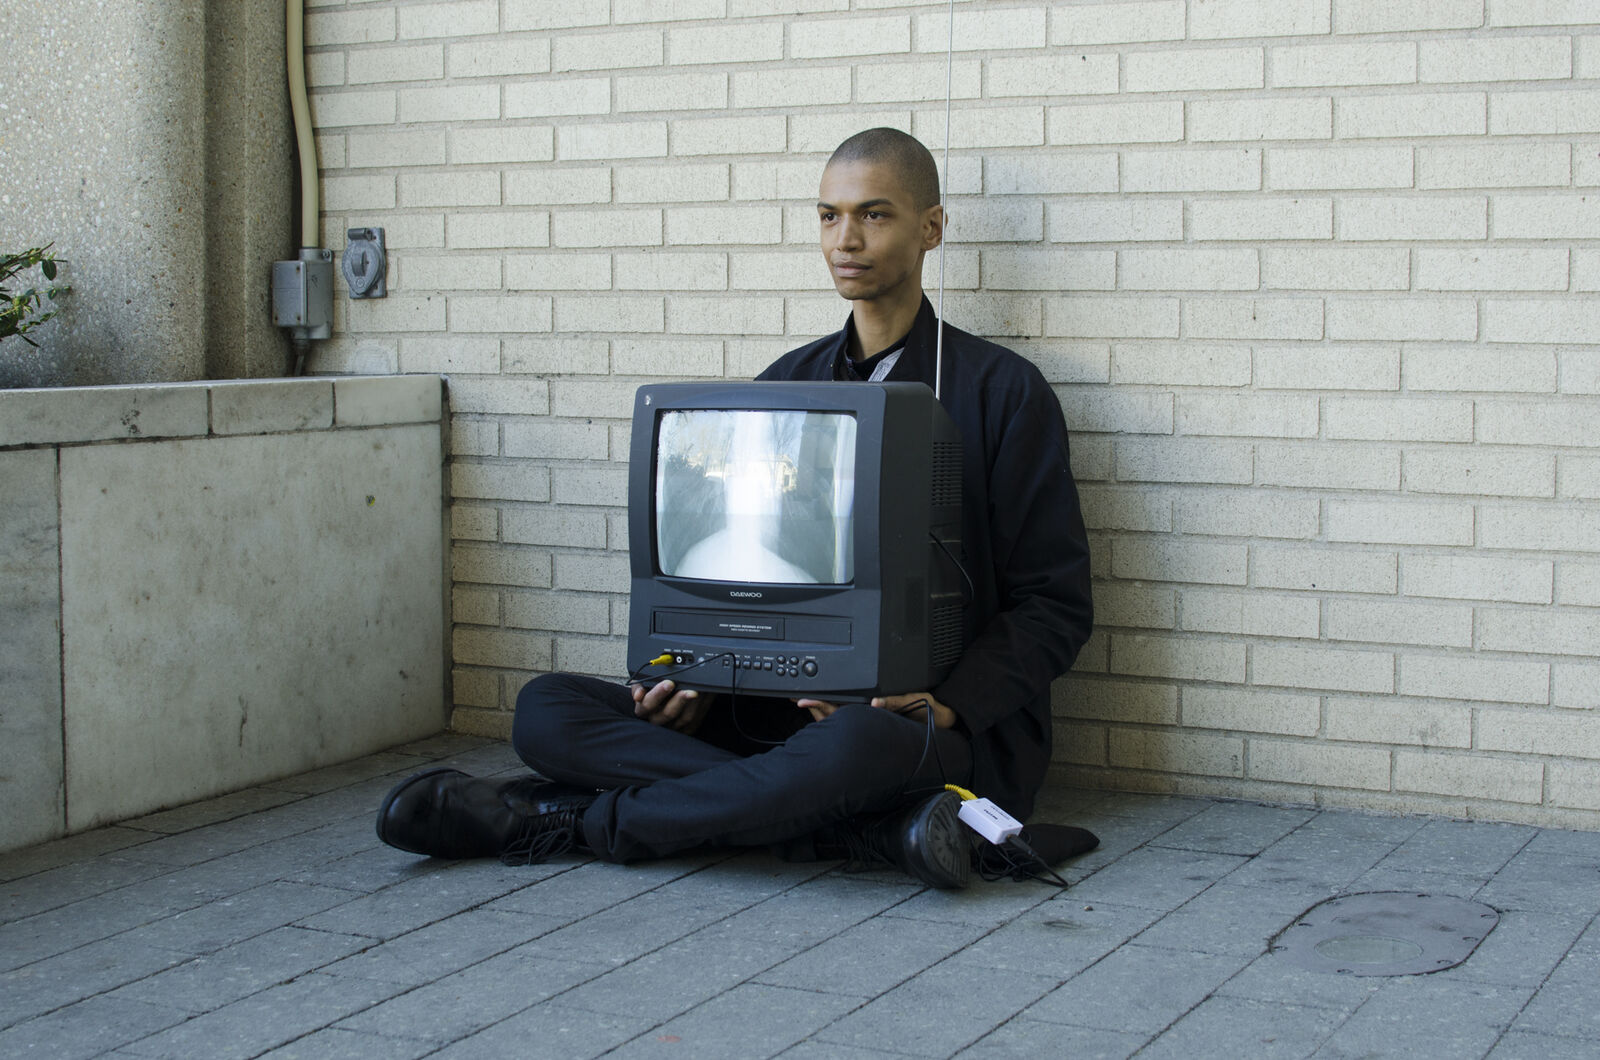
<point>302,293</point>
<point>365,264</point>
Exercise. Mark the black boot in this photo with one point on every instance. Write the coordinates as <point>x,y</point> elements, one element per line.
<point>926,840</point>
<point>445,813</point>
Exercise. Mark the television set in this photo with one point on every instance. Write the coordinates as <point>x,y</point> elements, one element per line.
<point>795,539</point>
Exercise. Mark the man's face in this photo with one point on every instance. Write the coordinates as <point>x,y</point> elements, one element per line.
<point>873,236</point>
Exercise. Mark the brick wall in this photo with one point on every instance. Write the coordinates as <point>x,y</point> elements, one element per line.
<point>1314,280</point>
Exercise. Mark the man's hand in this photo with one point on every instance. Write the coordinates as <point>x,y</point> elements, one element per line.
<point>819,708</point>
<point>943,716</point>
<point>663,704</point>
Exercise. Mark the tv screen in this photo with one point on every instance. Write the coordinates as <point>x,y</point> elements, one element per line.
<point>756,496</point>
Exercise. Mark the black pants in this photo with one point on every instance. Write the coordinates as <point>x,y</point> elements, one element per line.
<point>666,791</point>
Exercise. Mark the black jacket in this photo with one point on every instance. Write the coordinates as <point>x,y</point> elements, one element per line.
<point>1024,543</point>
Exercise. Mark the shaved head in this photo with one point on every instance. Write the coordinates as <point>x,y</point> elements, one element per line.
<point>902,153</point>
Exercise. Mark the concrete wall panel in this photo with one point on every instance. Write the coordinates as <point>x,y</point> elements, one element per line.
<point>239,609</point>
<point>31,788</point>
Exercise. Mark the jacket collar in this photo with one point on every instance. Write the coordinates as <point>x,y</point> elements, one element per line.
<point>916,364</point>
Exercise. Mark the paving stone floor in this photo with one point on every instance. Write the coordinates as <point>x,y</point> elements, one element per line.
<point>272,923</point>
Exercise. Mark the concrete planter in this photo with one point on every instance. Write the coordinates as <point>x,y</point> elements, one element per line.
<point>205,586</point>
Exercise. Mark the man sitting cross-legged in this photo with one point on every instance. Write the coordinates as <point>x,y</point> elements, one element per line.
<point>645,772</point>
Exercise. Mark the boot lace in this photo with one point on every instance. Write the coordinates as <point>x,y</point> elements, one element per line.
<point>543,837</point>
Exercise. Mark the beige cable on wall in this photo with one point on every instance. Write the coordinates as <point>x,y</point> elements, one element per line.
<point>302,287</point>
<point>300,106</point>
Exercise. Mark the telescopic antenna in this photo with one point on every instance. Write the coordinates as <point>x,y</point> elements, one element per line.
<point>944,185</point>
<point>944,229</point>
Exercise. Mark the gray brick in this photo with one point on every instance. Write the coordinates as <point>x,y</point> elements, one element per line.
<point>443,947</point>
<point>1058,938</point>
<point>872,957</point>
<point>72,850</point>
<point>677,977</point>
<point>1565,1005</point>
<point>1468,847</point>
<point>334,1043</point>
<point>579,892</point>
<point>88,1028</point>
<point>1546,883</point>
<point>1224,919</point>
<point>1522,950</point>
<point>1525,1045</point>
<point>1379,878</point>
<point>1026,1038</point>
<point>1234,828</point>
<point>418,901</point>
<point>549,1031</point>
<point>1137,988</point>
<point>238,971</point>
<point>821,908</point>
<point>60,932</point>
<point>272,1017</point>
<point>83,972</point>
<point>496,988</point>
<point>65,884</point>
<point>1427,1015</point>
<point>1228,1026</point>
<point>748,1020</point>
<point>1156,878</point>
<point>215,925</point>
<point>629,929</point>
<point>1271,978</point>
<point>1296,873</point>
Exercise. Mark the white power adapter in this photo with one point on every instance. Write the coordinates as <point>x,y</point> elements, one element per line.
<point>989,820</point>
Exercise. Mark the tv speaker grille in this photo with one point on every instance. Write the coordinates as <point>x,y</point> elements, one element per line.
<point>946,474</point>
<point>947,635</point>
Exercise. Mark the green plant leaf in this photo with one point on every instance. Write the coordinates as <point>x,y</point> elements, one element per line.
<point>20,312</point>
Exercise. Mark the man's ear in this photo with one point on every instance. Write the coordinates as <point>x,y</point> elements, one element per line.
<point>933,220</point>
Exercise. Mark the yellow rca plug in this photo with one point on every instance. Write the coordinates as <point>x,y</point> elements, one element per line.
<point>663,659</point>
<point>966,796</point>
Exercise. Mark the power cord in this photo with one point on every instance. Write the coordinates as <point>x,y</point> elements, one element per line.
<point>1008,854</point>
<point>971,591</point>
<point>929,741</point>
<point>1016,860</point>
<point>665,659</point>
<point>636,675</point>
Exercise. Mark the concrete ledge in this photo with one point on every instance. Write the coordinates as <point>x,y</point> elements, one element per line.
<point>77,415</point>
<point>366,401</point>
<point>101,413</point>
<point>271,405</point>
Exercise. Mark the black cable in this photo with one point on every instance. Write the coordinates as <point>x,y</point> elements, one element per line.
<point>733,712</point>
<point>972,591</point>
<point>635,676</point>
<point>1017,860</point>
<point>929,740</point>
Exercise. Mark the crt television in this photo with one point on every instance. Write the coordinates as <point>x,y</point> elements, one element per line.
<point>798,539</point>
